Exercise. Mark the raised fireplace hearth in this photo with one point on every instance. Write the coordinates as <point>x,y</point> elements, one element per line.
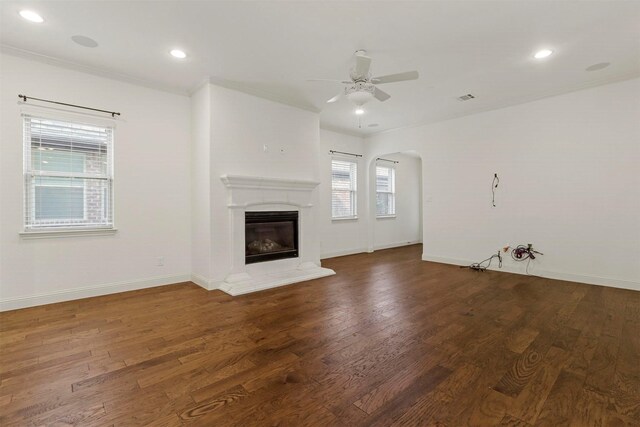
<point>270,235</point>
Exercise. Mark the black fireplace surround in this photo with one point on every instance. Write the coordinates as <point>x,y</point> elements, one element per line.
<point>270,235</point>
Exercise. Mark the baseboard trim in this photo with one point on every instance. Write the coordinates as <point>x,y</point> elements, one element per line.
<point>367,250</point>
<point>201,281</point>
<point>396,245</point>
<point>569,277</point>
<point>90,291</point>
<point>343,253</point>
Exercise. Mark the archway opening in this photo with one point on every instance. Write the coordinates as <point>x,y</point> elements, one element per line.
<point>396,207</point>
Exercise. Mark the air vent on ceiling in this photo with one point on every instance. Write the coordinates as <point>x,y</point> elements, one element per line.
<point>465,97</point>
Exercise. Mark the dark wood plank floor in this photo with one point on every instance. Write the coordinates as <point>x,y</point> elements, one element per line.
<point>390,340</point>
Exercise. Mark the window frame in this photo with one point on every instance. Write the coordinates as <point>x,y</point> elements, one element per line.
<point>33,227</point>
<point>353,191</point>
<point>392,193</point>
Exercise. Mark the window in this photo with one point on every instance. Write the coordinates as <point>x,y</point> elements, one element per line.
<point>343,189</point>
<point>68,175</point>
<point>385,191</point>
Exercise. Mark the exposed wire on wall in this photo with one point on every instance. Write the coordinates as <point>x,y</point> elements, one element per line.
<point>524,253</point>
<point>519,254</point>
<point>494,185</point>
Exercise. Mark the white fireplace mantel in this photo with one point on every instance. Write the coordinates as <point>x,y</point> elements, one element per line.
<point>251,192</point>
<point>262,183</point>
<point>245,191</point>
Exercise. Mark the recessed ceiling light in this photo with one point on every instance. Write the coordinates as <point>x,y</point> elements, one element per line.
<point>84,41</point>
<point>359,111</point>
<point>177,53</point>
<point>31,16</point>
<point>542,53</point>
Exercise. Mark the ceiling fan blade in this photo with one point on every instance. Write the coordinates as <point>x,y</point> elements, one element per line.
<point>381,95</point>
<point>335,98</point>
<point>330,80</point>
<point>362,65</point>
<point>400,77</point>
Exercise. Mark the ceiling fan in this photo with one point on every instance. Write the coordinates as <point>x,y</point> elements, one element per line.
<point>362,88</point>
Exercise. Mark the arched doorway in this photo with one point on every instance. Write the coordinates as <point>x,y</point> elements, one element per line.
<point>395,195</point>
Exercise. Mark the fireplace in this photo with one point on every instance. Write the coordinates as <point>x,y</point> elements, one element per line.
<point>270,235</point>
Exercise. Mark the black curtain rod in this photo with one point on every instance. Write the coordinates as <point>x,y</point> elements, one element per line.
<point>342,152</point>
<point>25,97</point>
<point>387,160</point>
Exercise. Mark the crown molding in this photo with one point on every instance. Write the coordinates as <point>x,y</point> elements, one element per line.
<point>514,102</point>
<point>109,74</point>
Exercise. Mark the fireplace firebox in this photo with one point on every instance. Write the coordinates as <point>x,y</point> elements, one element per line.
<point>270,235</point>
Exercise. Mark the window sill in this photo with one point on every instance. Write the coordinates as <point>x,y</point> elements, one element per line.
<point>386,217</point>
<point>347,218</point>
<point>46,234</point>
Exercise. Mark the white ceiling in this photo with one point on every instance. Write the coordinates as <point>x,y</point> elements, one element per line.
<point>271,47</point>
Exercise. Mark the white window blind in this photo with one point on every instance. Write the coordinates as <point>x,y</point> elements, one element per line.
<point>68,175</point>
<point>343,188</point>
<point>385,190</point>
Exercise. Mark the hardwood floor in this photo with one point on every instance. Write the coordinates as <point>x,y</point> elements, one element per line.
<point>389,341</point>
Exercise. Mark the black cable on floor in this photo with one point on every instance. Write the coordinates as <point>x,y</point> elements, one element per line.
<point>478,266</point>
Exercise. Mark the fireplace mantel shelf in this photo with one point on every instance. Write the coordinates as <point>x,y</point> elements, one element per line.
<point>264,183</point>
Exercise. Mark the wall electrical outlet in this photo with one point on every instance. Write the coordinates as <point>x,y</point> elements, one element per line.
<point>265,148</point>
<point>160,261</point>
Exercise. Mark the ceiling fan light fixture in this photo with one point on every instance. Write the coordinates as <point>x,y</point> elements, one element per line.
<point>359,111</point>
<point>360,92</point>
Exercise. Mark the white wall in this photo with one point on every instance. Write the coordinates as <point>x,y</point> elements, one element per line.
<point>152,192</point>
<point>341,237</point>
<point>406,227</point>
<point>241,126</point>
<point>200,186</point>
<point>570,183</point>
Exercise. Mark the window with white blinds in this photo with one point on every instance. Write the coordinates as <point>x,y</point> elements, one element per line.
<point>343,189</point>
<point>68,172</point>
<point>385,190</point>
